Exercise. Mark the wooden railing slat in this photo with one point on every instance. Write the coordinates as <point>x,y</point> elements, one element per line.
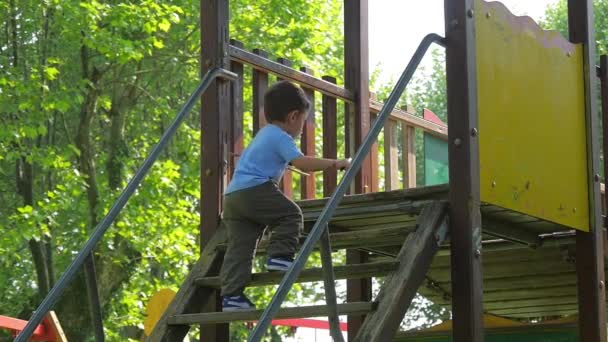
<point>260,84</point>
<point>409,155</point>
<point>308,140</point>
<point>236,114</point>
<point>264,64</point>
<point>287,181</point>
<point>391,156</point>
<point>330,138</point>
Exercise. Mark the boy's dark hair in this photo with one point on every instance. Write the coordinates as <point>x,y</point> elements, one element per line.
<point>282,98</point>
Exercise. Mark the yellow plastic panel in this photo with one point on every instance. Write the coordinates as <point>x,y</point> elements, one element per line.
<point>532,131</point>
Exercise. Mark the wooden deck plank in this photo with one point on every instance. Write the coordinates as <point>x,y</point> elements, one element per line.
<point>253,315</point>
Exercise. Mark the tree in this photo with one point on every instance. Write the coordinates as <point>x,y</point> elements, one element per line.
<point>86,89</point>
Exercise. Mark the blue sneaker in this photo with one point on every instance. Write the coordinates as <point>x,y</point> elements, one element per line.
<point>237,303</point>
<point>279,264</point>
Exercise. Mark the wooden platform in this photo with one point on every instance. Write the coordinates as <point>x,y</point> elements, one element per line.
<point>528,264</point>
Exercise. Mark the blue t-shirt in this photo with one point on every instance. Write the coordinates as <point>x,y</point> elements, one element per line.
<point>264,159</point>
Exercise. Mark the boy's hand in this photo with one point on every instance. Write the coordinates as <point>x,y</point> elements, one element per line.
<point>343,164</point>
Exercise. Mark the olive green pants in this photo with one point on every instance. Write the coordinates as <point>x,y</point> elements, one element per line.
<point>246,214</point>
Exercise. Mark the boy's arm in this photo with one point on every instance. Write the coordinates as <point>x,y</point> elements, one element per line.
<point>317,164</point>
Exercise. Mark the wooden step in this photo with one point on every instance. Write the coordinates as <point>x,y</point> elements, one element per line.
<point>355,271</point>
<point>355,308</point>
<point>380,237</point>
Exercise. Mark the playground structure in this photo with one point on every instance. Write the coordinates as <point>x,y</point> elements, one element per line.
<point>518,231</point>
<point>48,331</point>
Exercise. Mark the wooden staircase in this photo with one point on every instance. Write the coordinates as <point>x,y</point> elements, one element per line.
<point>404,274</point>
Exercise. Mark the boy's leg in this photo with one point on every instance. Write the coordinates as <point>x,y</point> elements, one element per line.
<point>271,207</point>
<point>236,269</point>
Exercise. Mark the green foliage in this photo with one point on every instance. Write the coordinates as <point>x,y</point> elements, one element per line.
<point>138,61</point>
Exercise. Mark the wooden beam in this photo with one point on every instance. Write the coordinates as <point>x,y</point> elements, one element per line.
<point>215,125</point>
<point>510,231</point>
<point>356,77</point>
<point>589,245</point>
<point>465,216</point>
<point>267,66</point>
<point>253,315</point>
<point>401,286</point>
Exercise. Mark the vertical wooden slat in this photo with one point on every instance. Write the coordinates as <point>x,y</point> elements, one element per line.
<point>465,215</point>
<point>236,117</point>
<point>330,138</point>
<point>356,77</point>
<point>287,180</point>
<point>409,155</point>
<point>308,140</point>
<point>391,156</point>
<point>589,245</point>
<point>373,159</point>
<point>215,126</point>
<point>260,85</point>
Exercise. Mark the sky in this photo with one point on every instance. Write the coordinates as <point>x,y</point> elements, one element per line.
<point>396,27</point>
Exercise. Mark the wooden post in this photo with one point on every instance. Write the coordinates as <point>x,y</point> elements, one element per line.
<point>589,245</point>
<point>215,127</point>
<point>330,138</point>
<point>260,85</point>
<point>308,187</point>
<point>409,155</point>
<point>287,180</point>
<point>236,117</point>
<point>391,156</point>
<point>356,65</point>
<point>465,216</point>
<point>356,60</point>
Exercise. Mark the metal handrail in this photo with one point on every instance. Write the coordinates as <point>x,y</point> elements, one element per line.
<point>328,211</point>
<point>102,227</point>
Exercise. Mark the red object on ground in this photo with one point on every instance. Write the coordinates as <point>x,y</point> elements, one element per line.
<point>16,325</point>
<point>306,323</point>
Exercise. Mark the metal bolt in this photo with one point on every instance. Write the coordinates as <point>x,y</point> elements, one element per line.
<point>454,23</point>
<point>477,253</point>
<point>574,210</point>
<point>601,284</point>
<point>457,142</point>
<point>488,15</point>
<point>493,184</point>
<point>597,177</point>
<point>474,132</point>
<point>470,13</point>
<point>208,172</point>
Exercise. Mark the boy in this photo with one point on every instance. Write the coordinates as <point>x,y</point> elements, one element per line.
<point>253,200</point>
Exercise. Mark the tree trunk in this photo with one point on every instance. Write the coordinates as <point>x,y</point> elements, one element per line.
<point>25,177</point>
